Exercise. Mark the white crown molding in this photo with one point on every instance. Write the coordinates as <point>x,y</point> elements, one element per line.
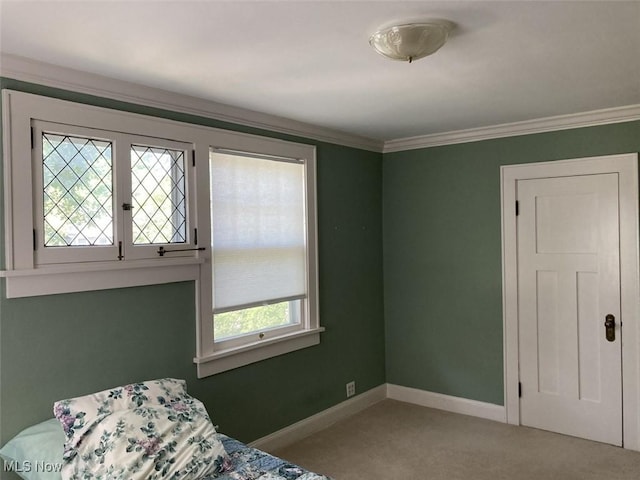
<point>561,122</point>
<point>27,70</point>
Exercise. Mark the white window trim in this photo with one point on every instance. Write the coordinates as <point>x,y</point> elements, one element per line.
<point>50,280</point>
<point>24,278</point>
<point>229,359</point>
<point>212,358</point>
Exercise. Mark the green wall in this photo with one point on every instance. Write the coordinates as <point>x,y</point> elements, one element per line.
<point>442,255</point>
<point>52,347</point>
<point>437,325</point>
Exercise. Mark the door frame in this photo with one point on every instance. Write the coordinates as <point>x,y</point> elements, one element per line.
<point>626,165</point>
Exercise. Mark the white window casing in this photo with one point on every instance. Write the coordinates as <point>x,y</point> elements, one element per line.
<point>216,356</point>
<point>34,268</point>
<point>130,255</point>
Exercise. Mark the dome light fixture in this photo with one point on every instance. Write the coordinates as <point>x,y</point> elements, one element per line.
<point>411,41</point>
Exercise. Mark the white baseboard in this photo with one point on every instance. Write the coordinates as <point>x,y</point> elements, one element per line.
<point>328,417</point>
<point>446,402</point>
<point>321,420</point>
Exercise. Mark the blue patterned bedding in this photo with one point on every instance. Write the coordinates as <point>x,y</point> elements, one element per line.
<point>253,464</point>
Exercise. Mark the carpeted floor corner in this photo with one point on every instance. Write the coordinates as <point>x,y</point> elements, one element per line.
<point>398,441</point>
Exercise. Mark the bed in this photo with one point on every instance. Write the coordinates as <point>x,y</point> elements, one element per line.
<point>151,430</point>
<point>250,463</point>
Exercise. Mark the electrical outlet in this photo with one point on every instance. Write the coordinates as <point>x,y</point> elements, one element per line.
<point>351,389</point>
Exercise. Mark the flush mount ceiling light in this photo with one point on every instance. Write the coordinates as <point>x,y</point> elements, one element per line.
<point>411,41</point>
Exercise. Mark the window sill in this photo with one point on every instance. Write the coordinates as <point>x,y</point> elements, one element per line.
<point>82,277</point>
<point>231,358</point>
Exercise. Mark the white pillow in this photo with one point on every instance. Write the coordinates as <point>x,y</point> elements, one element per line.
<point>36,452</point>
<point>147,431</point>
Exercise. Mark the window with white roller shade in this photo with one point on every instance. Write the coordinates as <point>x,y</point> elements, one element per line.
<point>259,246</point>
<point>115,199</point>
<point>263,282</point>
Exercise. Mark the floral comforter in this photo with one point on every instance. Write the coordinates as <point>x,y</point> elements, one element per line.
<point>253,464</point>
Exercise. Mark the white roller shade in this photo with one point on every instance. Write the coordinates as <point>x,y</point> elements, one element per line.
<point>258,230</point>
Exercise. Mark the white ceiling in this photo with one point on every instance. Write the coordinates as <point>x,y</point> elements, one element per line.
<point>310,61</point>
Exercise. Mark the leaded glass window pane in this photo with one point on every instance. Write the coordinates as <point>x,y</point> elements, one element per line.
<point>77,191</point>
<point>158,193</point>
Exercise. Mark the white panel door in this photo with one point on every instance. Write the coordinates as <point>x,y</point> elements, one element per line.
<point>568,282</point>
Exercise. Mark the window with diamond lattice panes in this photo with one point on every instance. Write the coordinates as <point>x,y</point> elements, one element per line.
<point>106,195</point>
<point>158,195</point>
<point>98,199</point>
<point>77,191</point>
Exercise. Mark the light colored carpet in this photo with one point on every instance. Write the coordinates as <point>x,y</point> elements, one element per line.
<point>394,440</point>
